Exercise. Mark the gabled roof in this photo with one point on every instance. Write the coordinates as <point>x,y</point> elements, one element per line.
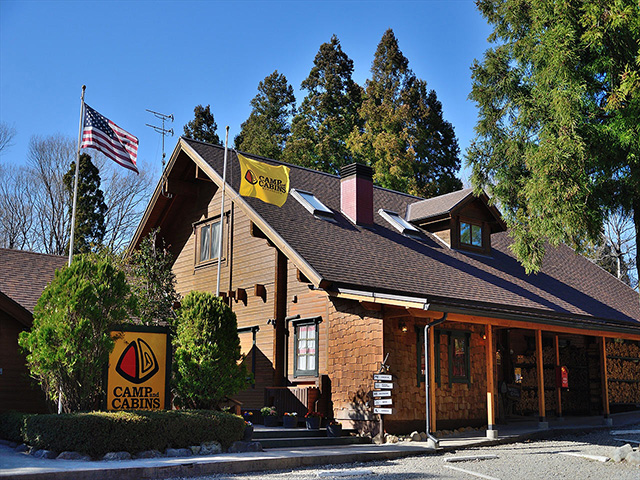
<point>24,277</point>
<point>340,255</point>
<point>433,207</point>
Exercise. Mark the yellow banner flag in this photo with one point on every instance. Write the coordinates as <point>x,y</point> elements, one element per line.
<point>260,180</point>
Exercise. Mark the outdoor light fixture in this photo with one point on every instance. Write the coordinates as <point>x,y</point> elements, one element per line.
<point>403,327</point>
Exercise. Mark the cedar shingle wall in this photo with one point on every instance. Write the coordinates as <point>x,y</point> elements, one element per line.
<point>17,390</point>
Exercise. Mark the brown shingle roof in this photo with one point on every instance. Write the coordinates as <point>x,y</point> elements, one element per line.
<point>26,274</point>
<point>378,258</point>
<point>435,206</point>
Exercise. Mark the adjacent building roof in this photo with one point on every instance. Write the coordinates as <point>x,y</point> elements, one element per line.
<point>26,274</point>
<point>433,207</point>
<point>378,258</point>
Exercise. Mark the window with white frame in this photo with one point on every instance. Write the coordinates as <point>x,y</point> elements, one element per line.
<point>208,236</point>
<point>306,343</point>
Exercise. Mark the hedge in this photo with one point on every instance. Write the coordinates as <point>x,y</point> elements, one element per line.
<point>97,433</point>
<point>12,426</point>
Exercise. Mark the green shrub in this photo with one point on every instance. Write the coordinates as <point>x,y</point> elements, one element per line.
<point>97,433</point>
<point>12,426</point>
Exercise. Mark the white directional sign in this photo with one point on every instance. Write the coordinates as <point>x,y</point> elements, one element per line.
<point>382,401</point>
<point>383,411</point>
<point>381,393</point>
<point>382,377</point>
<point>387,386</point>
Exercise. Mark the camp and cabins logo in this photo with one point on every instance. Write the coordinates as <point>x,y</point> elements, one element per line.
<point>137,363</point>
<point>137,374</point>
<point>269,183</point>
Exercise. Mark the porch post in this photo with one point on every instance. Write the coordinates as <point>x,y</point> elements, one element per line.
<point>558,388</point>
<point>279,313</point>
<point>541,408</point>
<point>605,381</point>
<point>492,432</point>
<point>432,381</point>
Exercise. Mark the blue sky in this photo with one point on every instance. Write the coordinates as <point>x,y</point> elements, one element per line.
<point>170,56</point>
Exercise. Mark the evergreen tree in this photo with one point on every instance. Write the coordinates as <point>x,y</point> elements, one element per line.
<point>328,113</point>
<point>203,127</point>
<point>90,207</point>
<point>405,138</point>
<point>558,138</point>
<point>266,130</point>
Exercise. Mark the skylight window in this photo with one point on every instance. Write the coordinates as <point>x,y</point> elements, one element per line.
<point>312,204</point>
<point>399,223</point>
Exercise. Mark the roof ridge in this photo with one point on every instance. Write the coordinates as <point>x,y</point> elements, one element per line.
<point>32,253</point>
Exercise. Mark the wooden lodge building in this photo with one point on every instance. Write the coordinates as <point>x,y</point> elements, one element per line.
<point>346,274</point>
<point>24,277</point>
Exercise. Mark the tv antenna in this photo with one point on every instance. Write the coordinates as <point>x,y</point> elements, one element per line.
<point>161,130</point>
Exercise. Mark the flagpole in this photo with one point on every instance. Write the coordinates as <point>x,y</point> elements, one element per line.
<point>224,182</point>
<point>75,183</point>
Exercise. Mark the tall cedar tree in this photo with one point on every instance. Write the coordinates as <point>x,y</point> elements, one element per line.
<point>267,129</point>
<point>558,138</point>
<point>405,139</point>
<point>328,113</point>
<point>203,126</point>
<point>90,206</point>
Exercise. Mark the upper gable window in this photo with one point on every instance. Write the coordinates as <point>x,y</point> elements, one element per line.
<point>471,234</point>
<point>398,222</point>
<point>208,235</point>
<point>311,203</point>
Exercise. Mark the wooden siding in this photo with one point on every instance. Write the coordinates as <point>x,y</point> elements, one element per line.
<point>17,390</point>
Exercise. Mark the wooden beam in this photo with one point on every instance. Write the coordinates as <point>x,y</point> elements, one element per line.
<point>180,187</point>
<point>200,175</point>
<point>491,385</point>
<point>372,307</point>
<point>558,387</point>
<point>301,277</point>
<point>241,295</point>
<point>255,231</point>
<point>604,376</point>
<point>540,369</point>
<point>279,314</point>
<point>259,290</point>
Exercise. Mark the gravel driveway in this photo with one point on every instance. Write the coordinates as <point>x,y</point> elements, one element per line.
<point>528,460</point>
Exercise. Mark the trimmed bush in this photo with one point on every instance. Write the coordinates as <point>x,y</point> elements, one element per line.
<point>12,426</point>
<point>97,433</point>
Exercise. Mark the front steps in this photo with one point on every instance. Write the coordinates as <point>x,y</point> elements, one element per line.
<point>279,437</point>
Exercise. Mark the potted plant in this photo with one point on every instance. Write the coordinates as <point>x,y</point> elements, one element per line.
<point>270,416</point>
<point>290,420</point>
<point>334,429</point>
<point>313,420</point>
<point>248,426</point>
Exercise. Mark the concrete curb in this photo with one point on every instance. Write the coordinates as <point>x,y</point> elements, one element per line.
<point>274,459</point>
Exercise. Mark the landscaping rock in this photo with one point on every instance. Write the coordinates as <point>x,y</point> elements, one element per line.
<point>242,447</point>
<point>195,449</point>
<point>22,448</point>
<point>391,439</point>
<point>423,436</point>
<point>73,456</point>
<point>117,456</point>
<point>621,453</point>
<point>415,437</point>
<point>149,454</point>
<point>633,458</point>
<point>178,452</point>
<point>44,454</point>
<point>210,448</point>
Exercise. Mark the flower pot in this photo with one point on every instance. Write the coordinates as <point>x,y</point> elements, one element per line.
<point>334,430</point>
<point>271,421</point>
<point>289,421</point>
<point>248,433</point>
<point>313,423</point>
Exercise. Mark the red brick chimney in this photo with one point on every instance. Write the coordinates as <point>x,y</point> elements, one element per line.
<point>356,193</point>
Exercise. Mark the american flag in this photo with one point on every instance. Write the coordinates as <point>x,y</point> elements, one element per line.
<point>102,134</point>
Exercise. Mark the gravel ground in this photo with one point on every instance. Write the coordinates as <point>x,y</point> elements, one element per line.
<point>528,460</point>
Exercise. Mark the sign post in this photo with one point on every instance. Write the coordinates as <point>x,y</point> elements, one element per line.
<point>382,401</point>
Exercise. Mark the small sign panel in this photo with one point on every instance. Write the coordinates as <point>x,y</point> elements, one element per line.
<point>382,377</point>
<point>381,393</point>
<point>387,386</point>
<point>382,401</point>
<point>383,411</point>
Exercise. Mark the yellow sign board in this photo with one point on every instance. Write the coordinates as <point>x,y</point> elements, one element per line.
<point>137,373</point>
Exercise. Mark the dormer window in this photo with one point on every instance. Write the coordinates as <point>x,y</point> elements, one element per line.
<point>471,234</point>
<point>312,204</point>
<point>399,223</point>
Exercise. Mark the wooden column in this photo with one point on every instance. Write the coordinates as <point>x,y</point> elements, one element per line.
<point>491,382</point>
<point>279,314</point>
<point>558,388</point>
<point>605,377</point>
<point>432,379</point>
<point>539,361</point>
